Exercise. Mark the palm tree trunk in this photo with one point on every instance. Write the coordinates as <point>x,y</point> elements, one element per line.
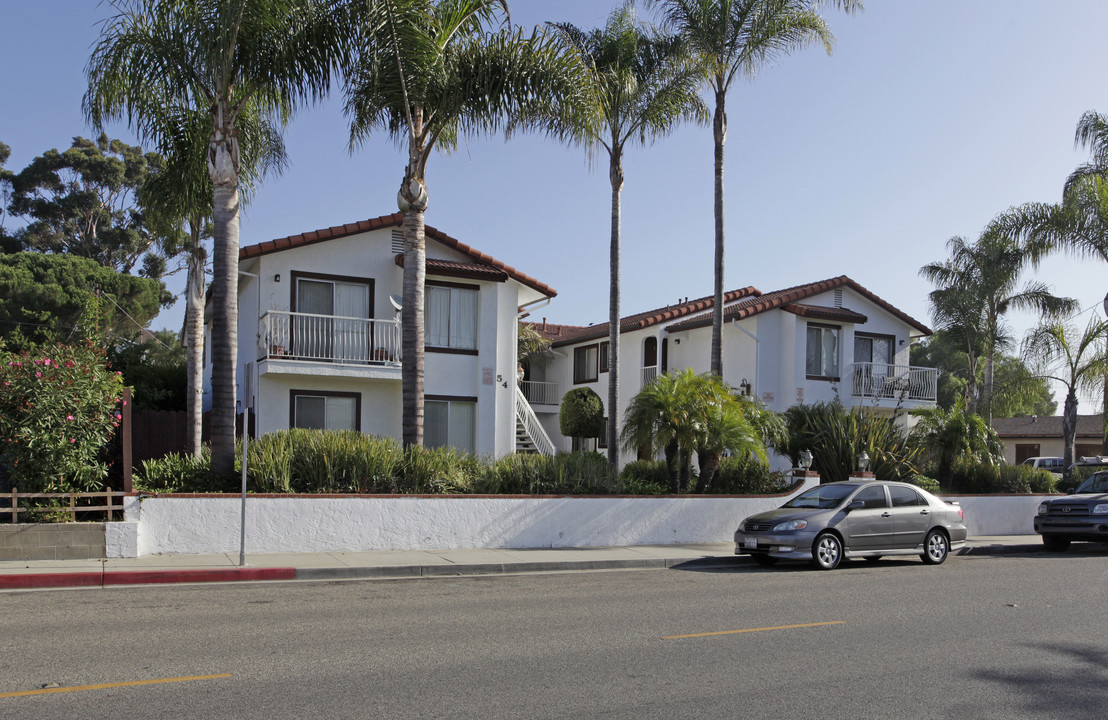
<point>411,325</point>
<point>615,174</point>
<point>987,391</point>
<point>194,341</point>
<point>223,167</point>
<point>719,132</point>
<point>1069,428</point>
<point>709,466</point>
<point>672,469</point>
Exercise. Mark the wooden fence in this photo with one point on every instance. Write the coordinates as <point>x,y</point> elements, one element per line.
<point>70,506</point>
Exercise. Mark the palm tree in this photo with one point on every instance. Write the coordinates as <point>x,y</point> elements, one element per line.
<point>184,192</point>
<point>643,85</point>
<point>1079,362</point>
<point>978,286</point>
<point>663,416</point>
<point>730,422</point>
<point>944,436</point>
<point>427,73</point>
<point>1079,224</point>
<point>738,37</point>
<point>215,56</point>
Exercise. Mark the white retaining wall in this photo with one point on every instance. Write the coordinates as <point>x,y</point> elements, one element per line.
<point>197,525</point>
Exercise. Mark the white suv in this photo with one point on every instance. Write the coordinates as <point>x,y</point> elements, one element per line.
<point>1052,464</point>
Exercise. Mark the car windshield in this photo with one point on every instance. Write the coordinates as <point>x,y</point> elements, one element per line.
<point>1097,483</point>
<point>823,497</point>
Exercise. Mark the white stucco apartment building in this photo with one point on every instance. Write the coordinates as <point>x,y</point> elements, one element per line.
<point>319,337</point>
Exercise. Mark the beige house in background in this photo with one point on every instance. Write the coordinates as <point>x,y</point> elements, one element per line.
<point>1034,436</point>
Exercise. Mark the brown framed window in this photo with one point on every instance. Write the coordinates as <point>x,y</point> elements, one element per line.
<point>821,357</point>
<point>450,422</point>
<point>451,317</point>
<point>604,347</point>
<point>325,410</point>
<point>586,364</point>
<point>1026,450</point>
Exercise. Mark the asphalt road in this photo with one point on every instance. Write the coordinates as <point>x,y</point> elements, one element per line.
<point>978,637</point>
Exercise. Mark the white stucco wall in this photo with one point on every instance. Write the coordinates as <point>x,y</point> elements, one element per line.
<point>191,525</point>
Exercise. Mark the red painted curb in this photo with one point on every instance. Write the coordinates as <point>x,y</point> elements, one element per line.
<point>147,577</point>
<point>45,580</point>
<point>142,577</point>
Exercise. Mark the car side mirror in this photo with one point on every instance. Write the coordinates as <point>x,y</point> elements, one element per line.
<point>856,505</point>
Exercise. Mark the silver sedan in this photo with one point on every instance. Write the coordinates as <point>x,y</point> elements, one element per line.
<point>857,518</point>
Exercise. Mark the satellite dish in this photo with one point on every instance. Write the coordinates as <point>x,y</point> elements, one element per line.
<point>396,304</point>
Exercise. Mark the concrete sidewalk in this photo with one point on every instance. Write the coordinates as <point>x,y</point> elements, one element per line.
<point>16,574</point>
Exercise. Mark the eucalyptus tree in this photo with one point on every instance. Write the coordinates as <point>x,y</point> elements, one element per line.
<point>737,38</point>
<point>643,85</point>
<point>1077,360</point>
<point>977,287</point>
<point>427,73</point>
<point>216,56</point>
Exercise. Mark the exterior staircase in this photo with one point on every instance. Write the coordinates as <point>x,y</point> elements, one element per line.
<point>530,436</point>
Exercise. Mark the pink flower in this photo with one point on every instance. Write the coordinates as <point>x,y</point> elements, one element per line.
<point>72,440</point>
<point>19,364</point>
<point>46,361</point>
<point>119,372</point>
<point>69,418</point>
<point>118,416</point>
<point>38,374</point>
<point>124,402</point>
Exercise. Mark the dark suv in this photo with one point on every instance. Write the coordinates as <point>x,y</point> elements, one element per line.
<point>1082,515</point>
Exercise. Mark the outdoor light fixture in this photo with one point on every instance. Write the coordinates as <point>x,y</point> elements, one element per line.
<point>863,461</point>
<point>277,277</point>
<point>804,460</point>
<point>519,374</point>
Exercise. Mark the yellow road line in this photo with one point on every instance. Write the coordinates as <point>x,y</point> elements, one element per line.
<point>750,630</point>
<point>78,688</point>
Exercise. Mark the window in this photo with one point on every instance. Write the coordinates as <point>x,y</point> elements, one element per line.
<point>585,363</point>
<point>904,496</point>
<point>1026,450</point>
<point>1081,450</point>
<point>583,444</point>
<point>451,317</point>
<point>323,410</point>
<point>602,441</point>
<point>873,496</point>
<point>332,320</point>
<point>873,348</point>
<point>604,357</point>
<point>450,422</point>
<point>822,356</point>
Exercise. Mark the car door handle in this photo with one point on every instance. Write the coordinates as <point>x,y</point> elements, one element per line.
<point>886,514</point>
<point>924,512</point>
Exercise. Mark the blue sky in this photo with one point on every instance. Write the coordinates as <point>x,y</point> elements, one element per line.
<point>927,120</point>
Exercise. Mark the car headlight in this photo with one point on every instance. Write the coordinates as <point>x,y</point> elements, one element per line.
<point>1044,508</point>
<point>790,525</point>
<point>1100,509</point>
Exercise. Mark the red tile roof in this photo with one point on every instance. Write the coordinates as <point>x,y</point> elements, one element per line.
<point>791,296</point>
<point>818,312</point>
<point>455,268</point>
<point>568,334</point>
<point>387,221</point>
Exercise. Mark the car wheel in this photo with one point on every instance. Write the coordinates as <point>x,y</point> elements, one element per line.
<point>827,551</point>
<point>764,560</point>
<point>935,548</point>
<point>1053,543</point>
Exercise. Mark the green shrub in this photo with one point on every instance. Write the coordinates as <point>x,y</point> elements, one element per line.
<point>436,470</point>
<point>581,414</point>
<point>644,477</point>
<point>179,473</point>
<point>974,477</point>
<point>58,410</point>
<point>561,474</point>
<point>747,476</point>
<point>923,482</point>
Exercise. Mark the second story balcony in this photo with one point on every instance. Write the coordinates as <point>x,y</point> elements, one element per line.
<point>888,385</point>
<point>296,338</point>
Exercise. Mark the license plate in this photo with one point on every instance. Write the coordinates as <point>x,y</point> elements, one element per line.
<point>750,542</point>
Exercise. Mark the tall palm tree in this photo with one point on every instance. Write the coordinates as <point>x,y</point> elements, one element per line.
<point>644,85</point>
<point>663,416</point>
<point>216,56</point>
<point>1078,361</point>
<point>733,38</point>
<point>944,436</point>
<point>428,72</point>
<point>184,192</point>
<point>978,286</point>
<point>1079,224</point>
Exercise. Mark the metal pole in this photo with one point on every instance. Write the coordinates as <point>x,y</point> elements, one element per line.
<point>242,519</point>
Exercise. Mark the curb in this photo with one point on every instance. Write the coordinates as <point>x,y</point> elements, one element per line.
<point>141,577</point>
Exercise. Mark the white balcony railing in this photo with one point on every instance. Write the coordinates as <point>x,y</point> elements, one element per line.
<point>541,393</point>
<point>648,374</point>
<point>895,382</point>
<point>328,338</point>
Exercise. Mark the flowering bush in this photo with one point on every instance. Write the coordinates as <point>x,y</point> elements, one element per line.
<point>59,407</point>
